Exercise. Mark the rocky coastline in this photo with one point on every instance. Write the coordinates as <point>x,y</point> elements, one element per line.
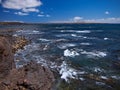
<point>32,76</point>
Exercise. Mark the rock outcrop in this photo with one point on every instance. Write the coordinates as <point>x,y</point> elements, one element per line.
<point>6,57</point>
<point>32,76</point>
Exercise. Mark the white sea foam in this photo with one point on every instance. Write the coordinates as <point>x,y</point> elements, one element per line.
<point>85,44</point>
<point>82,79</point>
<point>94,54</point>
<point>74,35</point>
<point>28,32</point>
<point>34,31</point>
<point>77,31</point>
<point>106,38</point>
<point>66,72</point>
<point>70,53</point>
<point>97,69</point>
<point>15,35</point>
<point>103,77</point>
<point>84,31</point>
<point>66,45</point>
<point>115,77</point>
<point>44,40</point>
<point>60,40</point>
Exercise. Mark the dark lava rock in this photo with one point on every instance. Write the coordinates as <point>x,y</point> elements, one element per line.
<point>6,57</point>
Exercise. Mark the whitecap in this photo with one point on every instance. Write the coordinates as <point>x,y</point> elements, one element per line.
<point>97,69</point>
<point>82,79</point>
<point>70,53</point>
<point>85,44</point>
<point>115,77</point>
<point>103,77</point>
<point>66,45</point>
<point>106,38</point>
<point>94,54</point>
<point>34,31</point>
<point>66,72</point>
<point>44,40</point>
<point>84,31</point>
<point>15,35</point>
<point>76,31</point>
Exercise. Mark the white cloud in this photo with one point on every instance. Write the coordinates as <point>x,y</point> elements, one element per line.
<point>40,15</point>
<point>21,4</point>
<point>47,15</point>
<point>77,19</point>
<point>30,10</point>
<point>107,13</point>
<point>21,13</point>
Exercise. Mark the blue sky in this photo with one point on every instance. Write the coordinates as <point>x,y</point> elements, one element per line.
<point>60,10</point>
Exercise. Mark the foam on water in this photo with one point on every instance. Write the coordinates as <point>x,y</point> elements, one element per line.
<point>98,69</point>
<point>84,31</point>
<point>66,45</point>
<point>70,53</point>
<point>44,40</point>
<point>28,32</point>
<point>94,54</point>
<point>103,77</point>
<point>85,44</point>
<point>106,38</point>
<point>66,72</point>
<point>76,31</point>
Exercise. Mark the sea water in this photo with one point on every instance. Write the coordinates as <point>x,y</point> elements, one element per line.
<point>84,56</point>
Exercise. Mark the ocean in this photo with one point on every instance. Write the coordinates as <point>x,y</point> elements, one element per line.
<point>82,56</point>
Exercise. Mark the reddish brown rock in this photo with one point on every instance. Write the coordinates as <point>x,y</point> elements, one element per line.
<point>31,77</point>
<point>6,57</point>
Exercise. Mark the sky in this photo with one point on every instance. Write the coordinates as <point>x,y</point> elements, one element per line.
<point>105,11</point>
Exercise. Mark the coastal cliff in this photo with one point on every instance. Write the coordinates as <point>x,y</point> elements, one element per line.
<point>32,76</point>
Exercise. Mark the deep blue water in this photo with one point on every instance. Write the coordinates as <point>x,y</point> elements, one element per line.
<point>73,51</point>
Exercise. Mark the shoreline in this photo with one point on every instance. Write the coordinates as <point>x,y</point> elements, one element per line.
<point>32,76</point>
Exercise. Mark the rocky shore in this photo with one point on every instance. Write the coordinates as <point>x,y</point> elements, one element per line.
<point>32,76</point>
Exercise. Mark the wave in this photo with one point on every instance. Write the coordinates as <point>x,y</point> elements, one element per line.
<point>106,38</point>
<point>70,53</point>
<point>44,40</point>
<point>85,44</point>
<point>93,54</point>
<point>28,32</point>
<point>76,31</point>
<point>67,72</point>
<point>66,45</point>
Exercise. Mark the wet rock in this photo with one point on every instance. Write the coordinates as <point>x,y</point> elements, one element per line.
<point>6,57</point>
<point>19,43</point>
